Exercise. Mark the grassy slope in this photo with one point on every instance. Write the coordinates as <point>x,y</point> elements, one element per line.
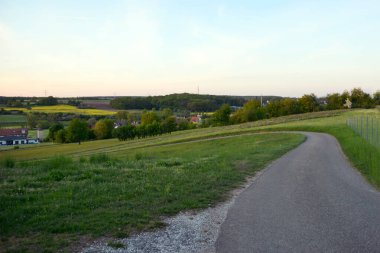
<point>112,145</point>
<point>47,205</point>
<point>142,152</point>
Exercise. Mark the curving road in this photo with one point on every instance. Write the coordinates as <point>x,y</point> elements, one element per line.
<point>310,200</point>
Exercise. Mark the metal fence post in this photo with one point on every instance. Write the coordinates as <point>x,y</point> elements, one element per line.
<point>372,138</point>
<point>367,129</point>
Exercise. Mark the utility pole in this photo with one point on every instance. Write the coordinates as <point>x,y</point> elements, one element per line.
<point>198,89</point>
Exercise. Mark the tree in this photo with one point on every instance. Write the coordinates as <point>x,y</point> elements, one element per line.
<point>169,124</point>
<point>77,131</point>
<point>273,108</point>
<point>357,97</point>
<point>309,103</point>
<point>103,129</point>
<point>53,129</point>
<point>91,122</point>
<point>153,128</point>
<point>74,102</point>
<point>289,106</point>
<point>334,101</point>
<point>251,111</point>
<point>60,136</point>
<point>134,118</point>
<point>148,117</point>
<point>122,115</point>
<point>140,131</point>
<point>376,97</point>
<point>360,99</point>
<point>166,113</point>
<point>31,120</point>
<point>48,101</point>
<point>124,133</point>
<point>222,115</point>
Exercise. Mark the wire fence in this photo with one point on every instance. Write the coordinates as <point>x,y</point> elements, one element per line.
<point>368,127</point>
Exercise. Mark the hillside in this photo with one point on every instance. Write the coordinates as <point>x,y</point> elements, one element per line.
<point>183,101</point>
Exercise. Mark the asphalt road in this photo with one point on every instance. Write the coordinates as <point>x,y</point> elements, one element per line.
<point>310,200</point>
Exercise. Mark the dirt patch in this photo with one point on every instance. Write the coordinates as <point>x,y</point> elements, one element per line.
<point>242,165</point>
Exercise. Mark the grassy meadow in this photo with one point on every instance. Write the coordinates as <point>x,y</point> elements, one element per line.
<point>112,188</point>
<point>51,204</point>
<point>64,109</point>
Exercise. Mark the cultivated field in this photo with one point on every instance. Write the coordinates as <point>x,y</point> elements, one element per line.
<point>12,120</point>
<point>63,109</point>
<point>116,188</point>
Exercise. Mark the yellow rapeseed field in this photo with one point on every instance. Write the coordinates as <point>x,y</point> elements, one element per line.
<point>63,109</point>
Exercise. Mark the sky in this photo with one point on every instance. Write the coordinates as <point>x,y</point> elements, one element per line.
<point>152,47</point>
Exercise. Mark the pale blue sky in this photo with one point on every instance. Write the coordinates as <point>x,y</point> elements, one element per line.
<point>288,48</point>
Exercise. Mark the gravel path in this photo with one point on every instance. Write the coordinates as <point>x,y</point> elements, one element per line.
<point>187,232</point>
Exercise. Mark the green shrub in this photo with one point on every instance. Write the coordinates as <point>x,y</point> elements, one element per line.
<point>8,162</point>
<point>57,162</point>
<point>138,156</point>
<point>82,159</point>
<point>99,158</point>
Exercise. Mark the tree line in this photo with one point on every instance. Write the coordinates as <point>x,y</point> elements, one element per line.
<point>184,101</point>
<point>253,109</point>
<point>125,126</point>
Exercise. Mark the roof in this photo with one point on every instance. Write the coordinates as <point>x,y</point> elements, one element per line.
<point>11,132</point>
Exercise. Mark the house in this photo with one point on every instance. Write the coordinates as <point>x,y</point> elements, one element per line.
<point>15,136</point>
<point>196,119</point>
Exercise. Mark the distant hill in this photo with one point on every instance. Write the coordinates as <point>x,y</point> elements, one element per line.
<point>183,101</point>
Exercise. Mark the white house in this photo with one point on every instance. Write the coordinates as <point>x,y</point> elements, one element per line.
<point>15,136</point>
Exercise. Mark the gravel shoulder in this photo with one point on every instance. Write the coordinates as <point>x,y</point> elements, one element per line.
<point>187,232</point>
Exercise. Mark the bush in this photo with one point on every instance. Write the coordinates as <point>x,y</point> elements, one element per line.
<point>8,162</point>
<point>138,156</point>
<point>57,162</point>
<point>82,159</point>
<point>99,158</point>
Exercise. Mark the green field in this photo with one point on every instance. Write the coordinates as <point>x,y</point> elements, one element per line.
<point>12,120</point>
<point>116,188</point>
<point>64,109</point>
<point>51,204</point>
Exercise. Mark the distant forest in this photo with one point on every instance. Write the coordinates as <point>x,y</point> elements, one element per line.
<point>183,101</point>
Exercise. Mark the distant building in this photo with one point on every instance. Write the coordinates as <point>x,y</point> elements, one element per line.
<point>15,136</point>
<point>196,119</point>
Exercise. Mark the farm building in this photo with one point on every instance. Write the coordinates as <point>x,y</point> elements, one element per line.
<point>196,119</point>
<point>15,136</point>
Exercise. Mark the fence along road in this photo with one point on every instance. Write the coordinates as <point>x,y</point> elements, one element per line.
<point>367,127</point>
<point>310,200</point>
